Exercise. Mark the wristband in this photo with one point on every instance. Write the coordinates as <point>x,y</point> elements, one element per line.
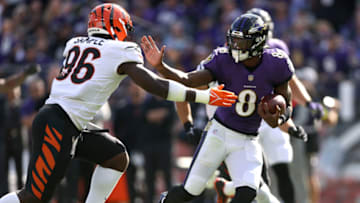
<point>202,96</point>
<point>176,92</point>
<point>179,92</point>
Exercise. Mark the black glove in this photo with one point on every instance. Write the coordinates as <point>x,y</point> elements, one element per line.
<point>193,134</point>
<point>32,69</point>
<point>317,110</point>
<point>298,132</point>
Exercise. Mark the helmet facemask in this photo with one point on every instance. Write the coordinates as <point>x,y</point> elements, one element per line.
<point>244,46</point>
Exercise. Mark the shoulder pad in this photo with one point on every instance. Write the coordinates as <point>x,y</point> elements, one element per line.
<point>280,55</point>
<point>124,45</point>
<point>128,51</point>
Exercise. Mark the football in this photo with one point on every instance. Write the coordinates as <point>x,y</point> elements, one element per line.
<point>273,100</point>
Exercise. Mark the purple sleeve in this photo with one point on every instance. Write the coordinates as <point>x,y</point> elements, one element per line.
<point>284,67</point>
<point>211,64</point>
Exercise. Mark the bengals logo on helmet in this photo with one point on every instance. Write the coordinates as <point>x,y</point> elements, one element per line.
<point>110,19</point>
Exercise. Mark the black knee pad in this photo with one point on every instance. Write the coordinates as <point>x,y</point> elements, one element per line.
<point>99,147</point>
<point>244,195</point>
<point>178,194</point>
<point>281,170</point>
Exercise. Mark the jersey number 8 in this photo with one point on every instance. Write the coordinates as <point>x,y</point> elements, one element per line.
<point>77,64</point>
<point>246,105</point>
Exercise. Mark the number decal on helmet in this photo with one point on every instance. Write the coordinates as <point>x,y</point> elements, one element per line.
<point>247,103</point>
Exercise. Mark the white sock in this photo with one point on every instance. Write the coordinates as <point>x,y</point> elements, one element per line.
<point>229,189</point>
<point>10,198</point>
<point>102,183</point>
<point>264,195</point>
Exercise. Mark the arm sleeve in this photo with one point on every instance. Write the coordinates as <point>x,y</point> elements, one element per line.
<point>126,52</point>
<point>211,64</point>
<point>285,69</point>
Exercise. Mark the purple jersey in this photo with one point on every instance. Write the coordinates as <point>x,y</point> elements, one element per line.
<point>278,43</point>
<point>250,85</point>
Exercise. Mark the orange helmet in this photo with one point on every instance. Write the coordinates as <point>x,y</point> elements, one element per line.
<point>109,19</point>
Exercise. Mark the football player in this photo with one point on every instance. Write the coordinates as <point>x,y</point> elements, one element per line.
<point>231,136</point>
<point>276,143</point>
<point>93,68</point>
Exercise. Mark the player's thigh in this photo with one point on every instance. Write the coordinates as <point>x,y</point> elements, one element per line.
<point>52,133</point>
<point>276,145</point>
<point>245,163</point>
<point>98,147</point>
<point>207,158</point>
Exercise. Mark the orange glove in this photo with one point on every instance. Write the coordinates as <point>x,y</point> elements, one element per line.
<point>219,97</point>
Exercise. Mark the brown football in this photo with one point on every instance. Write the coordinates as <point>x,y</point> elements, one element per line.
<point>273,100</point>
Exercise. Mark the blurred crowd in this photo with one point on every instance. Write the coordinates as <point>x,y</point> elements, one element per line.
<point>323,37</point>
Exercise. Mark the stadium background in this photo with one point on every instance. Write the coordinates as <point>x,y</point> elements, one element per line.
<point>323,37</point>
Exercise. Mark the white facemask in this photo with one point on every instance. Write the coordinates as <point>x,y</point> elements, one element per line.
<point>238,55</point>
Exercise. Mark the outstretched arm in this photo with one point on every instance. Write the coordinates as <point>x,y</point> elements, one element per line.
<point>175,91</point>
<point>16,79</point>
<point>299,91</point>
<point>302,96</point>
<point>155,57</point>
<point>184,109</point>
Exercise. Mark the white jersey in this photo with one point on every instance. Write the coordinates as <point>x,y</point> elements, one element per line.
<point>89,75</point>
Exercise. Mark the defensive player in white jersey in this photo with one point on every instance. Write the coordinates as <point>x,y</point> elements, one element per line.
<point>93,68</point>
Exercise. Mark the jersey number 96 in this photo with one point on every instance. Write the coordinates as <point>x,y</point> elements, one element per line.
<point>74,63</point>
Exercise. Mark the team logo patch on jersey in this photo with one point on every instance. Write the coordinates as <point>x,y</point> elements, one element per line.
<point>215,131</point>
<point>251,77</point>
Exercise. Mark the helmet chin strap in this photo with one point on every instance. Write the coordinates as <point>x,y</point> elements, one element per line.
<point>238,55</point>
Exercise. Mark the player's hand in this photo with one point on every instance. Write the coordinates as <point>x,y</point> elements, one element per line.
<point>317,110</point>
<point>152,53</point>
<point>32,69</point>
<point>192,134</point>
<point>270,118</point>
<point>298,132</point>
<point>219,97</point>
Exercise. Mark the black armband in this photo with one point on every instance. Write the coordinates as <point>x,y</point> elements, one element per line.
<point>190,95</point>
<point>285,116</point>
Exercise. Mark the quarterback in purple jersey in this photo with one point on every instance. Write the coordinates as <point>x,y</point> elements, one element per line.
<point>248,70</point>
<point>275,142</point>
